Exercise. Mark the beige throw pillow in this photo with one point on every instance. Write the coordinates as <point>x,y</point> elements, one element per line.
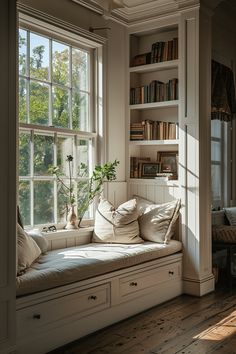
<point>39,238</point>
<point>157,223</point>
<point>116,225</point>
<point>27,250</point>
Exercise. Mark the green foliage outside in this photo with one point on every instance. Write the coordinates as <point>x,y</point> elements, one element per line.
<point>38,111</point>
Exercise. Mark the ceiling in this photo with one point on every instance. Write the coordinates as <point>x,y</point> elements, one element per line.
<point>133,11</point>
<point>130,12</point>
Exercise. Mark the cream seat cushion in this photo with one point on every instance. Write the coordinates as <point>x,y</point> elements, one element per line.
<point>157,221</point>
<point>69,265</point>
<point>116,225</point>
<point>27,250</point>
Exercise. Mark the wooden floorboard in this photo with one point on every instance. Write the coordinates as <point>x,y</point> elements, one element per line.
<point>185,325</point>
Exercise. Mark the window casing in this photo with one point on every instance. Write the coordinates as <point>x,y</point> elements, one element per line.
<point>57,117</point>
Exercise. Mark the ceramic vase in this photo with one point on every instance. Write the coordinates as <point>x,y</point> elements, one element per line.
<point>72,221</point>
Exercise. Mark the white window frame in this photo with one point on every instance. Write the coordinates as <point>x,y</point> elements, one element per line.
<point>56,29</point>
<point>225,164</point>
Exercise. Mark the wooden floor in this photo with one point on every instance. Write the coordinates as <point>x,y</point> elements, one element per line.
<point>184,325</point>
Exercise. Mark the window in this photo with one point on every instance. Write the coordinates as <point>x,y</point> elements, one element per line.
<point>56,110</point>
<point>220,163</point>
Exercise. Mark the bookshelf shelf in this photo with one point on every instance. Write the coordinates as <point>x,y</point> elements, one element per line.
<point>153,105</point>
<point>153,79</point>
<point>157,181</point>
<point>154,142</point>
<point>165,65</point>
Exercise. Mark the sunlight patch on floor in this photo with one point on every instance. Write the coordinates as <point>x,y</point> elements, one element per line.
<point>221,330</point>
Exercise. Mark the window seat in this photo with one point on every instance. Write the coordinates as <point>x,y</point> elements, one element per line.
<point>71,292</point>
<point>65,266</point>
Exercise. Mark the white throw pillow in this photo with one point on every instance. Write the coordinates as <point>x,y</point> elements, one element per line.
<point>39,238</point>
<point>116,225</point>
<point>231,215</point>
<point>27,250</point>
<point>157,223</point>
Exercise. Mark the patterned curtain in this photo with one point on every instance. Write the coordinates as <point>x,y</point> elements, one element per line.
<point>223,103</point>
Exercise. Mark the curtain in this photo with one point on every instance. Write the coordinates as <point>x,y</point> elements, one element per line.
<point>223,103</point>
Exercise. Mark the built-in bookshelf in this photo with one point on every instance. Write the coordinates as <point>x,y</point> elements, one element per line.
<point>153,103</point>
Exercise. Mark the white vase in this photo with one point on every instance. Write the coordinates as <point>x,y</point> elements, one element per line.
<point>72,221</point>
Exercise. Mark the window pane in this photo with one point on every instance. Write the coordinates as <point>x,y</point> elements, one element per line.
<point>24,201</point>
<point>216,128</point>
<point>80,77</point>
<point>39,57</point>
<point>62,199</point>
<point>22,51</point>
<point>39,103</point>
<point>24,154</point>
<point>215,151</point>
<point>82,197</point>
<point>22,101</point>
<point>83,157</point>
<point>216,181</point>
<point>60,107</point>
<point>64,148</point>
<point>80,111</point>
<point>43,154</point>
<point>43,202</point>
<point>60,63</point>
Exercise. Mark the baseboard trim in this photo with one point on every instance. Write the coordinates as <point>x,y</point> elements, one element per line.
<point>198,287</point>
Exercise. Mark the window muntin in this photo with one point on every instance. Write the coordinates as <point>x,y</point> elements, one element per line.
<point>54,91</point>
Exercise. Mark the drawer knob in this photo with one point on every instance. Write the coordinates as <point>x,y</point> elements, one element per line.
<point>133,283</point>
<point>92,297</point>
<point>37,316</point>
<point>170,272</point>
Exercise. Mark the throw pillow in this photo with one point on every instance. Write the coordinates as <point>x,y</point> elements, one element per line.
<point>116,225</point>
<point>157,223</point>
<point>231,215</point>
<point>142,204</point>
<point>27,250</point>
<point>39,238</point>
<point>224,233</point>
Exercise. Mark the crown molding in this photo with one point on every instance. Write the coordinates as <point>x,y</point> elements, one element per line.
<point>137,11</point>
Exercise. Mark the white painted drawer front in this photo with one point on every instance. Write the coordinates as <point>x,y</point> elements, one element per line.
<point>62,309</point>
<point>144,280</point>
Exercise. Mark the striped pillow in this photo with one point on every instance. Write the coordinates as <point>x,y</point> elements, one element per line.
<point>224,233</point>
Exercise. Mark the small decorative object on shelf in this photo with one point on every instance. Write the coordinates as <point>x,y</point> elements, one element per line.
<point>149,169</point>
<point>87,188</point>
<point>168,162</point>
<point>141,59</point>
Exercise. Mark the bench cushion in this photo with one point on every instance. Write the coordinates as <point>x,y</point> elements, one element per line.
<point>69,265</point>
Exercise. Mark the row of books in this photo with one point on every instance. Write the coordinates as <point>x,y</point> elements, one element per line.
<point>162,51</point>
<point>156,91</point>
<point>153,130</point>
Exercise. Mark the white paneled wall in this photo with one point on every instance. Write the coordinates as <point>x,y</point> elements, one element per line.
<point>154,190</point>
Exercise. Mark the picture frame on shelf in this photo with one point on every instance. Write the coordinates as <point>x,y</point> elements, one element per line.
<point>149,169</point>
<point>168,161</point>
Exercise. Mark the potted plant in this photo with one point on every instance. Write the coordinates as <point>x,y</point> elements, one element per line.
<point>88,188</point>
